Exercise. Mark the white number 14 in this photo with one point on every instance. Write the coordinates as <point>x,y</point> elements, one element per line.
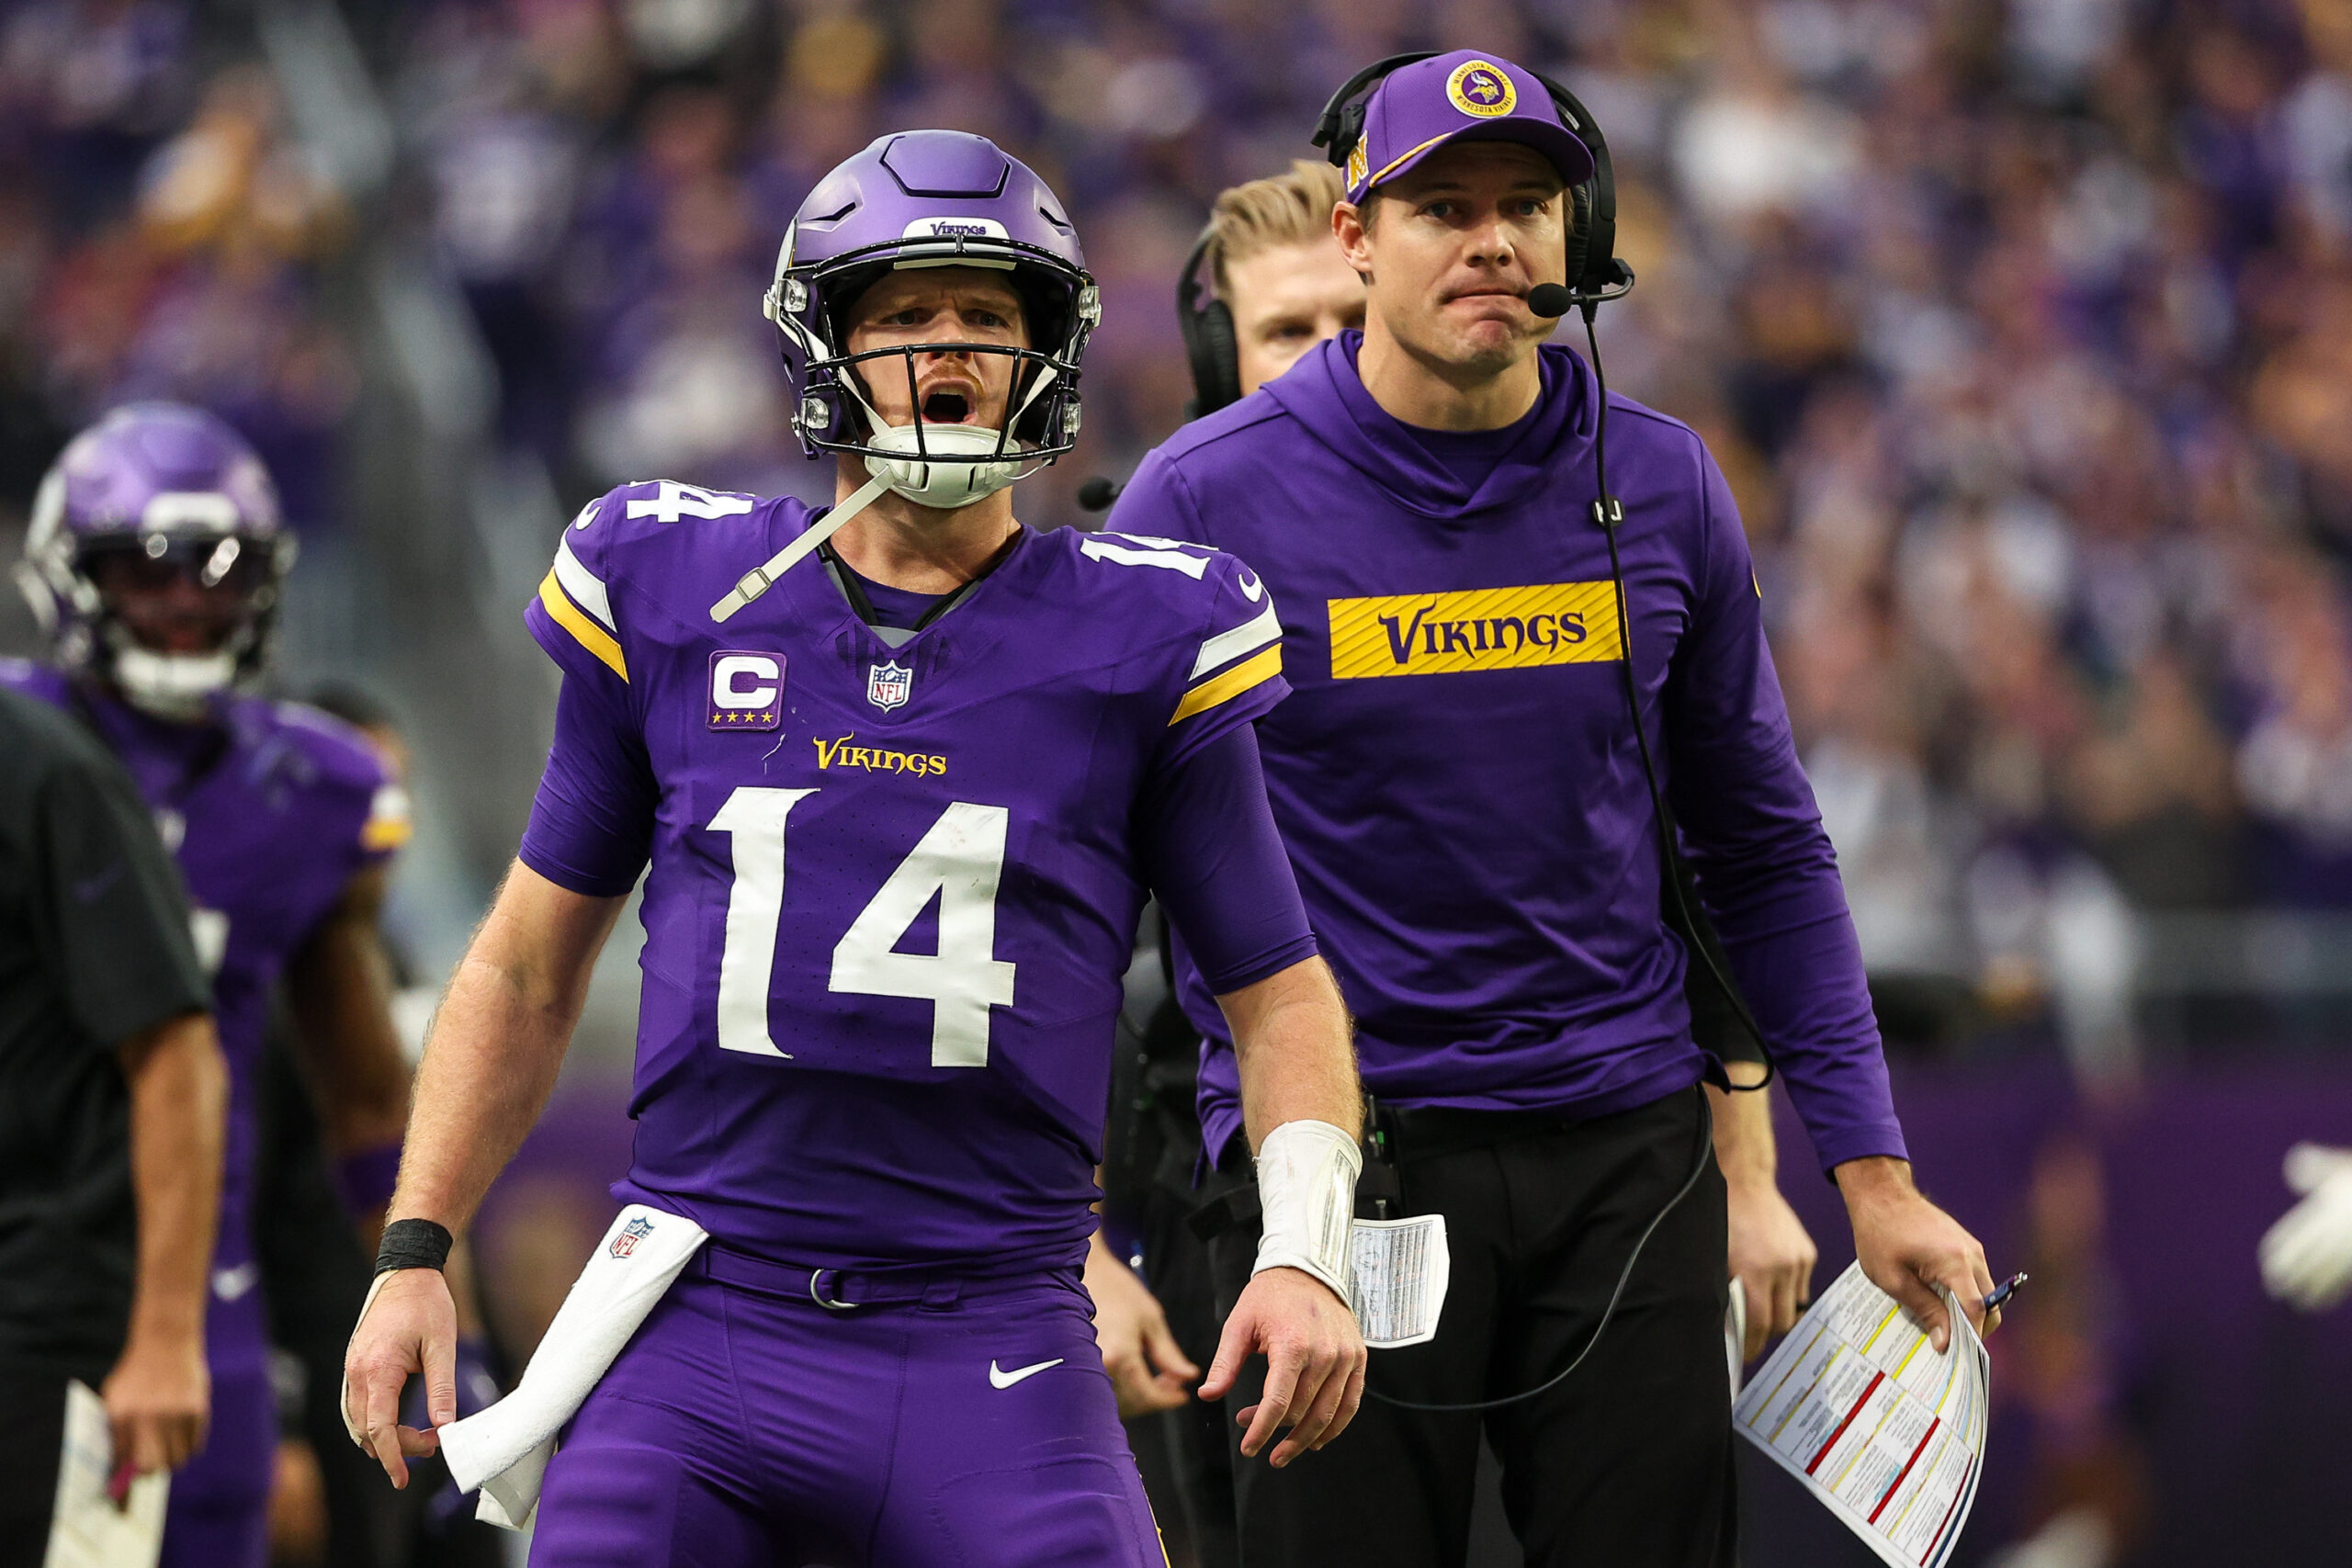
<point>961,859</point>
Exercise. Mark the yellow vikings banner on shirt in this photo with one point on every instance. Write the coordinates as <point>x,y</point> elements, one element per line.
<point>1477,628</point>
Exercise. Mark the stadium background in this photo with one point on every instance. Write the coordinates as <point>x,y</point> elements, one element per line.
<point>2023,331</point>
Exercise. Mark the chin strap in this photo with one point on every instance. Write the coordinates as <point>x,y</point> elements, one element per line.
<point>761,578</point>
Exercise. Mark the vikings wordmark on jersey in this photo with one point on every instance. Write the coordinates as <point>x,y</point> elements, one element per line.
<point>889,910</point>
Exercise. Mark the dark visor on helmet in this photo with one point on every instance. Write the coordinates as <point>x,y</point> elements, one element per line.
<point>230,565</point>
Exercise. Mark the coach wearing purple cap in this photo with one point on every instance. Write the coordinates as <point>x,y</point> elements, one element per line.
<point>1469,808</point>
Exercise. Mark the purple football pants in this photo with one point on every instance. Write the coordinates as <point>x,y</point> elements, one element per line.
<point>217,1514</point>
<point>747,1424</point>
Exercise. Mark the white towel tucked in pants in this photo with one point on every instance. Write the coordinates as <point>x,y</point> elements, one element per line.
<point>504,1450</point>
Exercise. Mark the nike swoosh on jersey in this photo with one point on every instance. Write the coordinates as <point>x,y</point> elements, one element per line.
<point>1000,1379</point>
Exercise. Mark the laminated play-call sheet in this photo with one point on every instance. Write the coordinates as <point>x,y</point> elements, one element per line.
<point>89,1529</point>
<point>1890,1435</point>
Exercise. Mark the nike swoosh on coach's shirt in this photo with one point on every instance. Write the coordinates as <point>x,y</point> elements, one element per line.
<point>89,889</point>
<point>1006,1380</point>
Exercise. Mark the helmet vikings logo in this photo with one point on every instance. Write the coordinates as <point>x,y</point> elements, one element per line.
<point>1481,89</point>
<point>889,686</point>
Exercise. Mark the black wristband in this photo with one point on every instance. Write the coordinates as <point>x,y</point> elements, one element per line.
<point>413,1244</point>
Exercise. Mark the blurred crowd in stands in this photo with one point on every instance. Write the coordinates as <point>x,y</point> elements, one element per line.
<point>2023,330</point>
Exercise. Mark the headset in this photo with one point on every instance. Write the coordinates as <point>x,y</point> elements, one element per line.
<point>1211,346</point>
<point>1595,276</point>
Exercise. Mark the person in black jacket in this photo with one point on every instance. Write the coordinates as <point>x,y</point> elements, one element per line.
<point>113,1098</point>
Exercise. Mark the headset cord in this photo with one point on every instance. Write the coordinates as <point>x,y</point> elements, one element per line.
<point>1697,1168</point>
<point>1609,514</point>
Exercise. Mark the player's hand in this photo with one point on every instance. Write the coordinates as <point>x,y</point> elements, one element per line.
<point>159,1401</point>
<point>2307,1256</point>
<point>1911,1249</point>
<point>410,1326</point>
<point>1149,1371</point>
<point>1772,1260</point>
<point>1315,1362</point>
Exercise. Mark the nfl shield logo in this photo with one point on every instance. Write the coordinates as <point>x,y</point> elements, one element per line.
<point>626,1243</point>
<point>888,685</point>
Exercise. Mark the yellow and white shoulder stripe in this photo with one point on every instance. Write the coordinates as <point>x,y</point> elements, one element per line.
<point>1260,639</point>
<point>575,599</point>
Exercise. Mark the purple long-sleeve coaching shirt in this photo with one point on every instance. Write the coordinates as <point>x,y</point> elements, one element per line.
<point>1456,773</point>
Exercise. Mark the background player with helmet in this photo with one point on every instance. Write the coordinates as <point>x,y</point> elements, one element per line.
<point>155,559</point>
<point>885,1121</point>
<point>1474,833</point>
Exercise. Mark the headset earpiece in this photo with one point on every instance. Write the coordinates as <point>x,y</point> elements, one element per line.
<point>1211,348</point>
<point>1580,234</point>
<point>1342,120</point>
<point>1594,272</point>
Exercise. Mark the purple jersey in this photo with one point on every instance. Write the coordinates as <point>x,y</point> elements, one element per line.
<point>894,877</point>
<point>270,810</point>
<point>1457,778</point>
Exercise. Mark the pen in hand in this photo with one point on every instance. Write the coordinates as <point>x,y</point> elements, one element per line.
<point>2003,1291</point>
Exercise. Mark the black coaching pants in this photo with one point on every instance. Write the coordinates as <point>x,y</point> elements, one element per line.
<point>1625,1464</point>
<point>32,1430</point>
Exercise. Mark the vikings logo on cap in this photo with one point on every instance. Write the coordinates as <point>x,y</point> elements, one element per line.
<point>1359,163</point>
<point>1481,89</point>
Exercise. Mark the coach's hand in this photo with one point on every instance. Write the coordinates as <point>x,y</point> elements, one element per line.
<point>1148,1369</point>
<point>410,1325</point>
<point>1910,1249</point>
<point>158,1400</point>
<point>1315,1362</point>
<point>1772,1260</point>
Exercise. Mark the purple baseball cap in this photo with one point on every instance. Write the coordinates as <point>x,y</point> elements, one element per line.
<point>1461,97</point>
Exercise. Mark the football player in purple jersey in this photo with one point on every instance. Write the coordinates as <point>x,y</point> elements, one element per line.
<point>155,561</point>
<point>903,786</point>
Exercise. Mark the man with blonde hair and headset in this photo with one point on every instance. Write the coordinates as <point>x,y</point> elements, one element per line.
<point>1474,779</point>
<point>1282,287</point>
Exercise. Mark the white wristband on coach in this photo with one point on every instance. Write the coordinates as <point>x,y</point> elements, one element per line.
<point>1306,1186</point>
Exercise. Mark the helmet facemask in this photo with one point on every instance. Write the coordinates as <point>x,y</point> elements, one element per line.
<point>939,459</point>
<point>933,461</point>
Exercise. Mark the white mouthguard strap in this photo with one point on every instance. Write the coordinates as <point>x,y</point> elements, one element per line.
<point>760,578</point>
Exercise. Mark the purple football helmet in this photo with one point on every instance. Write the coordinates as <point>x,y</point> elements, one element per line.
<point>933,199</point>
<point>157,503</point>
